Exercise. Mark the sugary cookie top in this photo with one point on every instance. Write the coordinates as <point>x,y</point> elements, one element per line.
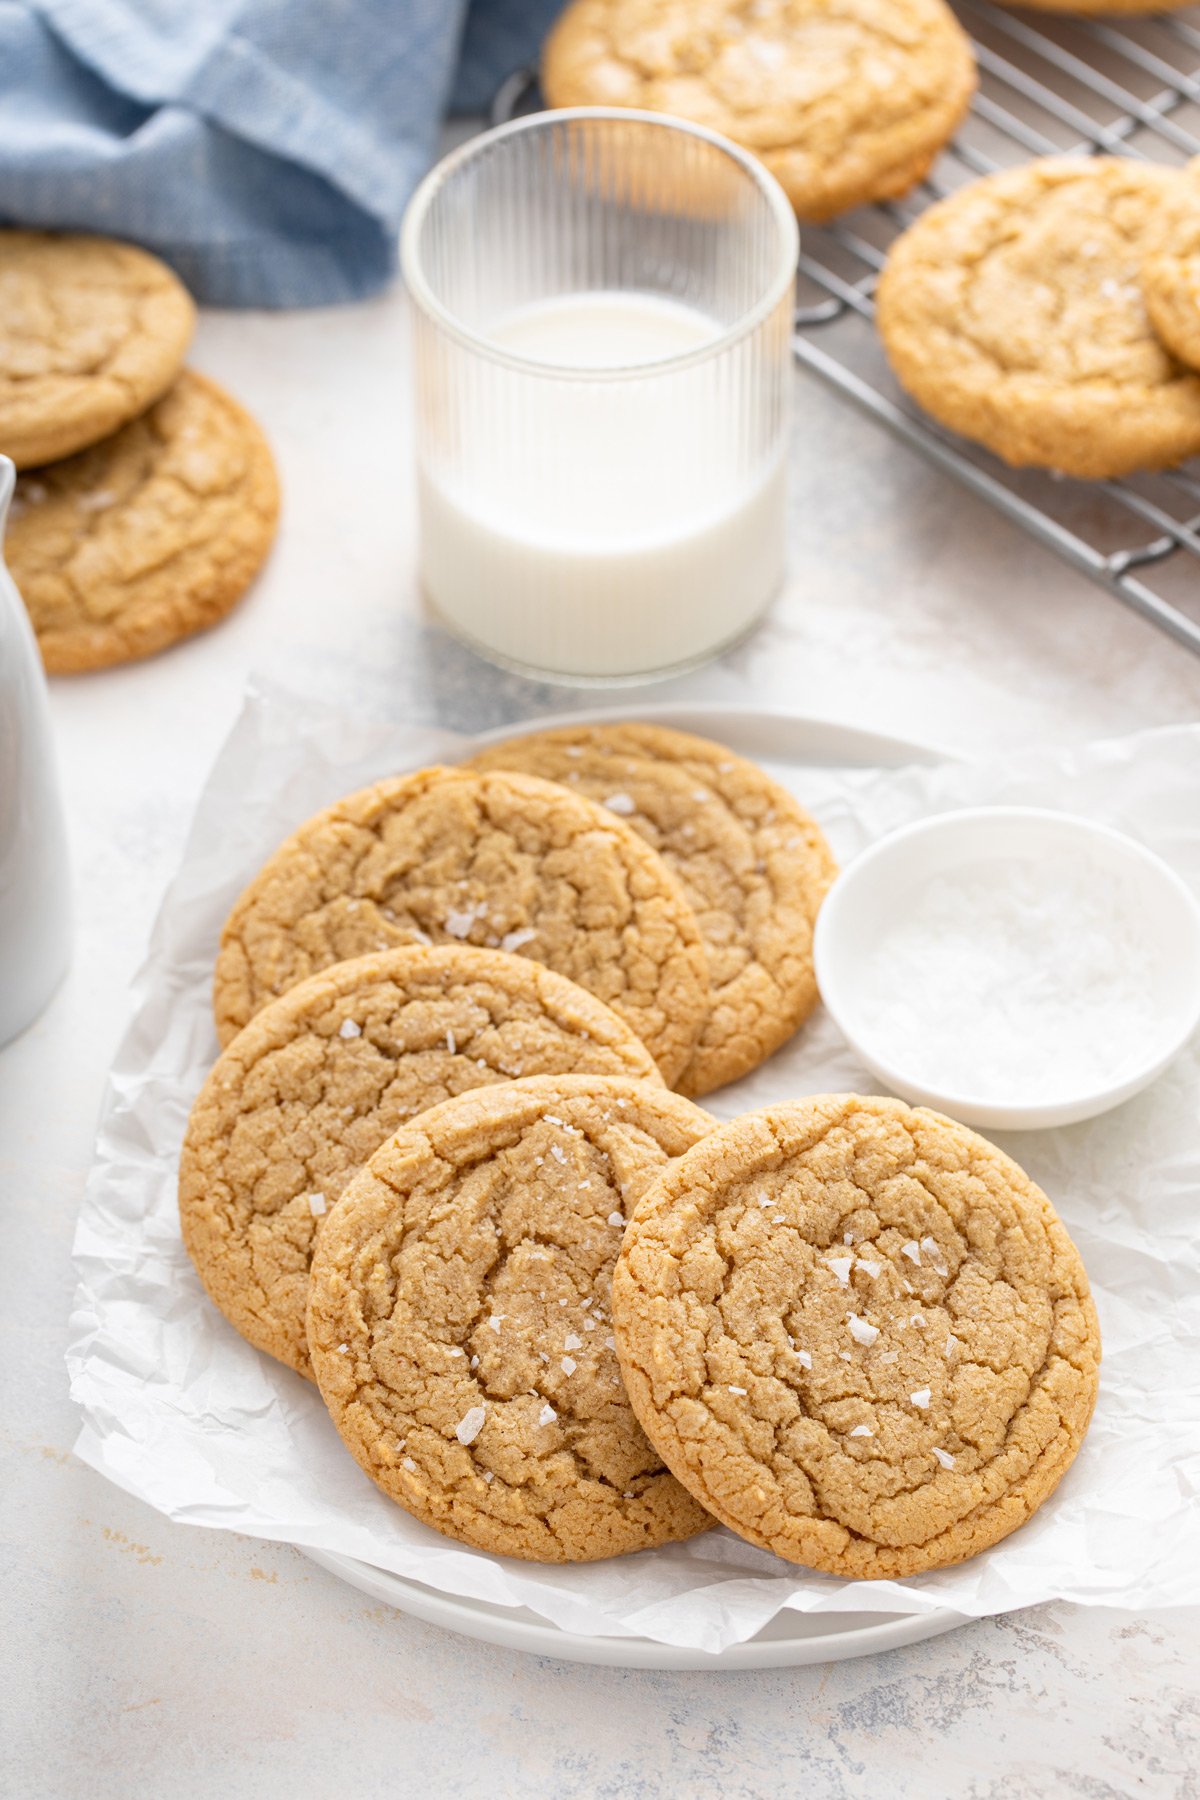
<point>831,94</point>
<point>460,1327</point>
<point>318,1080</point>
<point>91,331</point>
<point>148,535</point>
<point>858,1333</point>
<point>1014,312</point>
<point>753,864</point>
<point>498,860</point>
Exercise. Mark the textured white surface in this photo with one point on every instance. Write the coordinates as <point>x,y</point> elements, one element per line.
<point>144,1659</point>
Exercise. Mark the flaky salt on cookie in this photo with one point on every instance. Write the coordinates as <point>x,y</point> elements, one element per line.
<point>318,1080</point>
<point>498,860</point>
<point>459,1319</point>
<point>858,1333</point>
<point>753,864</point>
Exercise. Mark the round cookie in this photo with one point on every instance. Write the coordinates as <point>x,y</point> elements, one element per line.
<point>753,865</point>
<point>91,331</point>
<point>306,1094</point>
<point>148,536</point>
<point>844,101</point>
<point>858,1333</point>
<point>498,860</point>
<point>459,1326</point>
<point>1012,312</point>
<point>1170,274</point>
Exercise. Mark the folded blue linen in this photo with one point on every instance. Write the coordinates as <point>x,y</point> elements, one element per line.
<point>266,149</point>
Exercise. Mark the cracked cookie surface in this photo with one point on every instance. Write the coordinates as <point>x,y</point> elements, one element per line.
<point>1014,314</point>
<point>844,101</point>
<point>858,1333</point>
<point>753,865</point>
<point>91,331</point>
<point>147,537</point>
<point>499,860</point>
<point>459,1318</point>
<point>317,1081</point>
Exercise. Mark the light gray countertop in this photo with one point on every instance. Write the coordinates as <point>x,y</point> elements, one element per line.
<point>145,1659</point>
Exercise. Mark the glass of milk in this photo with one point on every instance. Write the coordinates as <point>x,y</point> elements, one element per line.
<point>602,303</point>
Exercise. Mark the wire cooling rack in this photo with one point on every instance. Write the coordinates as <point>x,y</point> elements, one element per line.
<point>1048,83</point>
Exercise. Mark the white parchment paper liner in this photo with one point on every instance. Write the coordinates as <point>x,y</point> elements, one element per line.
<point>181,1412</point>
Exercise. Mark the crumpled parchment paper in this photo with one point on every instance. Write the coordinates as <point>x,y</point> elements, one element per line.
<point>181,1412</point>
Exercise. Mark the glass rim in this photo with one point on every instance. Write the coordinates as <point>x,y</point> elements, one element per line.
<point>423,296</point>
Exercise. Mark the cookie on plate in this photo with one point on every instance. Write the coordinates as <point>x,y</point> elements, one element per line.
<point>1013,313</point>
<point>147,537</point>
<point>305,1095</point>
<point>752,863</point>
<point>91,331</point>
<point>858,1333</point>
<point>1170,274</point>
<point>503,861</point>
<point>459,1321</point>
<point>844,101</point>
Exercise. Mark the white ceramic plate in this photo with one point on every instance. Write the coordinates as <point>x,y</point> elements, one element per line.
<point>790,1637</point>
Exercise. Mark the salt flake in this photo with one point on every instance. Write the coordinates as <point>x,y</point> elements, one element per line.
<point>568,1365</point>
<point>571,1342</point>
<point>547,1415</point>
<point>736,1390</point>
<point>451,1046</point>
<point>921,1397</point>
<point>349,1029</point>
<point>933,1251</point>
<point>943,1457</point>
<point>862,1431</point>
<point>804,1359</point>
<point>316,1204</point>
<point>470,1425</point>
<point>841,1266</point>
<point>861,1331</point>
<point>872,1268</point>
<point>616,1218</point>
<point>512,940</point>
<point>912,1251</point>
<point>620,803</point>
<point>409,1464</point>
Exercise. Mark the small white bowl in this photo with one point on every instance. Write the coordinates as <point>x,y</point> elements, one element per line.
<point>882,884</point>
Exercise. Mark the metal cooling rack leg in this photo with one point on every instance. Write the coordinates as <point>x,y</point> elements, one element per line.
<point>1064,543</point>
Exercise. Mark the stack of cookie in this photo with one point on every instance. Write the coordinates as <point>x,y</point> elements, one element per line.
<point>150,499</point>
<point>554,1309</point>
<point>1052,313</point>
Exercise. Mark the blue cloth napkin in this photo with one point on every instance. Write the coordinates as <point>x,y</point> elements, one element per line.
<point>266,149</point>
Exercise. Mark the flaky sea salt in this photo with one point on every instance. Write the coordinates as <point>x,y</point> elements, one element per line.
<point>547,1415</point>
<point>512,940</point>
<point>316,1204</point>
<point>804,1359</point>
<point>841,1266</point>
<point>568,1365</point>
<point>1017,982</point>
<point>860,1331</point>
<point>620,803</point>
<point>349,1029</point>
<point>862,1431</point>
<point>736,1390</point>
<point>946,1460</point>
<point>617,1219</point>
<point>921,1398</point>
<point>470,1425</point>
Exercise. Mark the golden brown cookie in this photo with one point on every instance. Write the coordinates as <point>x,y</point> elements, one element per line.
<point>459,1318</point>
<point>1170,274</point>
<point>305,1095</point>
<point>844,101</point>
<point>1013,313</point>
<point>148,536</point>
<point>502,861</point>
<point>858,1333</point>
<point>91,331</point>
<point>1097,9</point>
<point>752,863</point>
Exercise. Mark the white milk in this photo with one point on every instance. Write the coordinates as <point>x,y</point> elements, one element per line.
<point>603,528</point>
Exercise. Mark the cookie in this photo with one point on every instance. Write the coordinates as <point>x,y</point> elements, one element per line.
<point>305,1095</point>
<point>91,331</point>
<point>147,537</point>
<point>858,1333</point>
<point>750,860</point>
<point>502,861</point>
<point>459,1321</point>
<point>1170,274</point>
<point>1013,313</point>
<point>1100,9</point>
<point>844,101</point>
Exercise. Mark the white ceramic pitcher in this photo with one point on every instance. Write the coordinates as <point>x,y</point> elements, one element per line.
<point>35,879</point>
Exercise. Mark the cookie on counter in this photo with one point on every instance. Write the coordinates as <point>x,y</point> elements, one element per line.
<point>306,1094</point>
<point>91,331</point>
<point>753,864</point>
<point>858,1333</point>
<point>1013,312</point>
<point>844,101</point>
<point>459,1321</point>
<point>1170,274</point>
<point>146,537</point>
<point>502,861</point>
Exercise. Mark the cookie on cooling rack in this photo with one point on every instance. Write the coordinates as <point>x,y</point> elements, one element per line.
<point>502,861</point>
<point>845,101</point>
<point>1013,312</point>
<point>305,1095</point>
<point>858,1333</point>
<point>459,1321</point>
<point>753,864</point>
<point>147,537</point>
<point>91,331</point>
